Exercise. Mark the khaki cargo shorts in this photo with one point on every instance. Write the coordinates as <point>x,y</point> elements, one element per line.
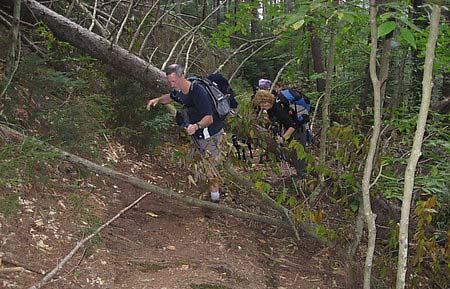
<point>212,145</point>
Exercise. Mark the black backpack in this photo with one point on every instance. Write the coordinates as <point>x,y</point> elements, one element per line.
<point>220,100</point>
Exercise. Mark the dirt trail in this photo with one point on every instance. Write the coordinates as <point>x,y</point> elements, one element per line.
<point>159,244</point>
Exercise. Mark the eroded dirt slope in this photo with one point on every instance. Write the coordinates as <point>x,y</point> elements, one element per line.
<point>160,243</point>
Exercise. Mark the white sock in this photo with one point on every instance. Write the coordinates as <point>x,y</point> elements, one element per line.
<point>215,196</point>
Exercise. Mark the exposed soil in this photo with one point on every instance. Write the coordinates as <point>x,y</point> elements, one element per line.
<point>160,243</point>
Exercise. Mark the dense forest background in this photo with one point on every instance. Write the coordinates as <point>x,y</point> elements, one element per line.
<point>80,97</point>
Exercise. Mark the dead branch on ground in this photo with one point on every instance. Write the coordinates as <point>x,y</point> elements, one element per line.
<point>69,256</point>
<point>147,186</point>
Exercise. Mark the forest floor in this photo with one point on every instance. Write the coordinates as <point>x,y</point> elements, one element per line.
<point>160,243</point>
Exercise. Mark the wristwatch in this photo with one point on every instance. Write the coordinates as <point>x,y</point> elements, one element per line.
<point>199,126</point>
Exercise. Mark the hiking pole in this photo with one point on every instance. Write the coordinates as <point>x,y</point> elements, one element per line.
<point>183,120</point>
<point>197,144</point>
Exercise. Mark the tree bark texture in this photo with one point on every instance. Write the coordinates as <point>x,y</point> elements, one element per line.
<point>318,59</point>
<point>325,116</point>
<point>13,56</point>
<point>427,85</point>
<point>419,19</point>
<point>370,216</point>
<point>384,64</point>
<point>397,97</point>
<point>99,47</point>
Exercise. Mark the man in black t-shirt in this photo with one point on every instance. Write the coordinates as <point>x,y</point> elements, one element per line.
<point>202,122</point>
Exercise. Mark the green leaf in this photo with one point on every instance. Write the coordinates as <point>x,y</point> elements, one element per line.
<point>297,25</point>
<point>386,28</point>
<point>409,24</point>
<point>348,17</point>
<point>408,37</point>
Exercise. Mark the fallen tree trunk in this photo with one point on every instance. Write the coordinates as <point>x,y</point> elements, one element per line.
<point>99,47</point>
<point>15,135</point>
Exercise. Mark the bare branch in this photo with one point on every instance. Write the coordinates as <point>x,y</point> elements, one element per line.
<point>248,57</point>
<point>187,53</point>
<point>280,72</point>
<point>193,31</point>
<point>241,49</point>
<point>93,15</point>
<point>316,108</point>
<point>427,85</point>
<point>123,23</point>
<point>144,43</point>
<point>112,13</point>
<point>103,31</point>
<point>138,30</point>
<point>69,256</point>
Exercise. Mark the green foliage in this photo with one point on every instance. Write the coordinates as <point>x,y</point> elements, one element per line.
<point>80,122</point>
<point>79,202</point>
<point>408,36</point>
<point>347,151</point>
<point>264,187</point>
<point>386,28</point>
<point>159,123</point>
<point>19,163</point>
<point>132,119</point>
<point>54,46</point>
<point>9,206</point>
<point>45,82</point>
<point>325,233</point>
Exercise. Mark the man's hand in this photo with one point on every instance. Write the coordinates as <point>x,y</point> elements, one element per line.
<point>152,102</point>
<point>191,129</point>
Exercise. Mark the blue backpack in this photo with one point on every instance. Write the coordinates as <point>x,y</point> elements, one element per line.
<point>297,102</point>
<point>298,106</point>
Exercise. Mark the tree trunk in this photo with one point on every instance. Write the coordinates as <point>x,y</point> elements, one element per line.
<point>370,216</point>
<point>325,116</point>
<point>416,148</point>
<point>384,64</point>
<point>445,85</point>
<point>254,23</point>
<point>364,98</point>
<point>13,56</point>
<point>318,59</point>
<point>99,47</point>
<point>397,97</point>
<point>419,19</point>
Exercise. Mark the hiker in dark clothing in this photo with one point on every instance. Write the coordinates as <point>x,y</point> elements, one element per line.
<point>238,140</point>
<point>290,128</point>
<point>201,123</point>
